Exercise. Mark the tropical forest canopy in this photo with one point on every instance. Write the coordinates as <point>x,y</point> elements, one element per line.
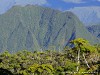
<point>83,58</point>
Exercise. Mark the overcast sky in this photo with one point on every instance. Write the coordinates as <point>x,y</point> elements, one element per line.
<point>56,4</point>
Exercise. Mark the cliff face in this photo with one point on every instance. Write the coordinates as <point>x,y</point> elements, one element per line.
<point>36,28</point>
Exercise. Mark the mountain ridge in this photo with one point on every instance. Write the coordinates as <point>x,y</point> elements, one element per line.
<point>35,28</point>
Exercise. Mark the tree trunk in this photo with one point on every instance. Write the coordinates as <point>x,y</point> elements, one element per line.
<point>78,60</point>
<point>86,61</point>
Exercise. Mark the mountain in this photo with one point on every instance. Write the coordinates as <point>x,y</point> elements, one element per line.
<point>95,30</point>
<point>36,28</point>
<point>88,15</point>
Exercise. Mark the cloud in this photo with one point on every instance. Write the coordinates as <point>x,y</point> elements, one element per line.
<point>73,1</point>
<point>80,1</point>
<point>25,2</point>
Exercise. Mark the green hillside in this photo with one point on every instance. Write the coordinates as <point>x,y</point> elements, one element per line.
<point>37,28</point>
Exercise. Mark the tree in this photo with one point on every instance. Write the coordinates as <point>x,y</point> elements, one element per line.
<point>82,46</point>
<point>44,69</point>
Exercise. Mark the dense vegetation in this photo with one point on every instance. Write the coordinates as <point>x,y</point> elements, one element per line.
<point>82,59</point>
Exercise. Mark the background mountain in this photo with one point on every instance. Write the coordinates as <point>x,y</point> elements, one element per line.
<point>88,15</point>
<point>95,30</point>
<point>36,28</point>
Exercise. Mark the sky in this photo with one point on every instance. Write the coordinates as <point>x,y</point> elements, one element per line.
<point>55,4</point>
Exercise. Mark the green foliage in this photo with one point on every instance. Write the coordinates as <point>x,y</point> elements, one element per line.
<point>70,66</point>
<point>51,62</point>
<point>41,69</point>
<point>83,47</point>
<point>83,44</point>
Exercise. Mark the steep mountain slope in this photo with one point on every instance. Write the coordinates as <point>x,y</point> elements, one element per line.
<point>95,30</point>
<point>36,28</point>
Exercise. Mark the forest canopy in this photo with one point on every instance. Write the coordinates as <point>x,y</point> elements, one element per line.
<point>82,59</point>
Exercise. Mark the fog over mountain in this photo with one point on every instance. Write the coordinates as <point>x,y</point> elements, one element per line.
<point>88,15</point>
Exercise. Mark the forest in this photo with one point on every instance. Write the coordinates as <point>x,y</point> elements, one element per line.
<point>80,59</point>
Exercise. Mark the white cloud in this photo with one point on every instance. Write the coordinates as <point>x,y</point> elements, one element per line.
<point>25,2</point>
<point>73,1</point>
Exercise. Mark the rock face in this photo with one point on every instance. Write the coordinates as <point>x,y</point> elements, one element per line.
<point>95,30</point>
<point>36,28</point>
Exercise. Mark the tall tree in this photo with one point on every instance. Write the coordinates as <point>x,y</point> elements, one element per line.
<point>82,46</point>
